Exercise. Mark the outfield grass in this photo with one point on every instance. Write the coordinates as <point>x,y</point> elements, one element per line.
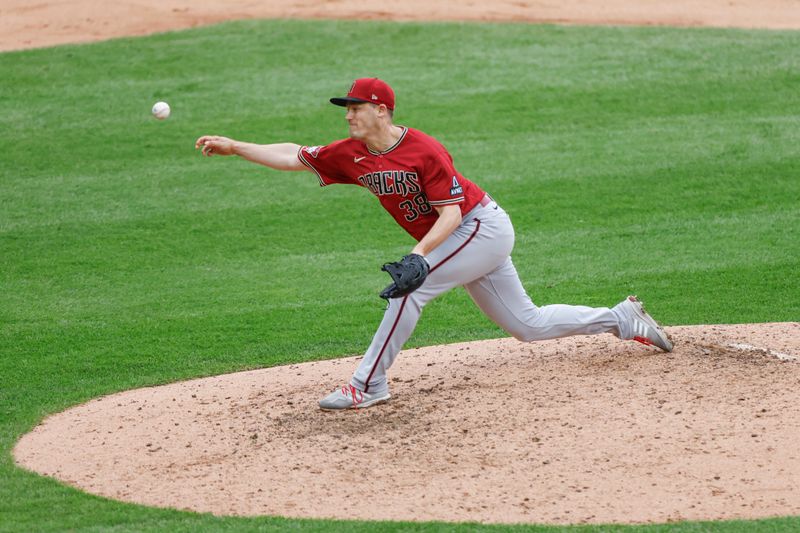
<point>658,161</point>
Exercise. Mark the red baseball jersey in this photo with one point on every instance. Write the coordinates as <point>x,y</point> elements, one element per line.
<point>409,178</point>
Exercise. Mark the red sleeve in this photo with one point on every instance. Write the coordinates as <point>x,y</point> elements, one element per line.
<point>441,180</point>
<point>326,162</point>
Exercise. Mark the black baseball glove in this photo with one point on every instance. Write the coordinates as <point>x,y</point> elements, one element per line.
<point>408,275</point>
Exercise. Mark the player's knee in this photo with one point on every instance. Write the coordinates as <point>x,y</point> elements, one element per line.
<point>530,327</point>
<point>420,297</point>
<point>525,328</point>
<point>521,333</point>
<point>523,336</point>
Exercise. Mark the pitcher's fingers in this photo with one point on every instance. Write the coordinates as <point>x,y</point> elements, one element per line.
<point>202,140</point>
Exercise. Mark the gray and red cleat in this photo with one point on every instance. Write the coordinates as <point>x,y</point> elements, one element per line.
<point>349,397</point>
<point>641,327</point>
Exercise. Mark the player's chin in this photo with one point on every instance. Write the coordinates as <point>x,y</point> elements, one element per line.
<point>355,134</point>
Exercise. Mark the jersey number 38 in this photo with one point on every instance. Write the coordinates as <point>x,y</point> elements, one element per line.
<point>418,205</point>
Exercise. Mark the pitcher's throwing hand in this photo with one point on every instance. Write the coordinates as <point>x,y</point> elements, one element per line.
<point>214,145</point>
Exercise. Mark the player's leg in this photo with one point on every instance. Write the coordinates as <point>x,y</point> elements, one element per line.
<point>501,296</point>
<point>399,320</point>
<point>477,246</point>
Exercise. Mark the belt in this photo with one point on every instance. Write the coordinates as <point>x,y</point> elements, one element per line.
<point>486,200</point>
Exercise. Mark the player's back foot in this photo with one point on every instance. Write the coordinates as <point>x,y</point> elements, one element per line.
<point>640,326</point>
<point>349,397</point>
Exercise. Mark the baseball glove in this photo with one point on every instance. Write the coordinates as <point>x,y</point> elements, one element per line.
<point>408,275</point>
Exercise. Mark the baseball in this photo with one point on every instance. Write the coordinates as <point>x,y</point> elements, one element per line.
<point>161,110</point>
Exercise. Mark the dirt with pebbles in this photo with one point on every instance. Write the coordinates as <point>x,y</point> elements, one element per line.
<point>576,430</point>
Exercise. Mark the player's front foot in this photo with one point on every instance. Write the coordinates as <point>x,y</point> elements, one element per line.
<point>641,326</point>
<point>349,397</point>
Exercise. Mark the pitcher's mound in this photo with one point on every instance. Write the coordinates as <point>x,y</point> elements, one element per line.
<point>585,429</point>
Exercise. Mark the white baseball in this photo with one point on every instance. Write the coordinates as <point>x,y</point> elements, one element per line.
<point>161,110</point>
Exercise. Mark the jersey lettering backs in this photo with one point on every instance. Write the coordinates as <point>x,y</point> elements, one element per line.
<point>391,182</point>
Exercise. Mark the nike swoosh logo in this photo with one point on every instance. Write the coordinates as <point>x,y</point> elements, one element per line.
<point>357,159</point>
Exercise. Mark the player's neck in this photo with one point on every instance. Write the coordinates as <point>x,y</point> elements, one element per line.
<point>384,139</point>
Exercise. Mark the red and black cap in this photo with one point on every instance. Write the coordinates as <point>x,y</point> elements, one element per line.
<point>370,90</point>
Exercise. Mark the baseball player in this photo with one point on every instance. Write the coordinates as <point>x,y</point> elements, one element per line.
<point>464,238</point>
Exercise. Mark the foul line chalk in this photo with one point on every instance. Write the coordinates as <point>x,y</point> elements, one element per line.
<point>750,348</point>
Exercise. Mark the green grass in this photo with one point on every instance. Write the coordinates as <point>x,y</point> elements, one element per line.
<point>660,161</point>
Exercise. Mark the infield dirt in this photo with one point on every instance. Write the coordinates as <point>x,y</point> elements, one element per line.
<point>26,25</point>
<point>578,430</point>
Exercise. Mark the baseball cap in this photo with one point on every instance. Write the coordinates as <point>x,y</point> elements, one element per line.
<point>370,90</point>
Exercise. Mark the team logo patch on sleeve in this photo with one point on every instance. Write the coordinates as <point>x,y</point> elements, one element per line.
<point>456,189</point>
<point>313,151</point>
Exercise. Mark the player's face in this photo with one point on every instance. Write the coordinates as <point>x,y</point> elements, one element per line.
<point>362,119</point>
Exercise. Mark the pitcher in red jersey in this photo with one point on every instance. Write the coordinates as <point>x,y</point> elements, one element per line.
<point>463,234</point>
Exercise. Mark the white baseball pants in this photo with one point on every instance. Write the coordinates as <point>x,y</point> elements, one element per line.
<point>477,256</point>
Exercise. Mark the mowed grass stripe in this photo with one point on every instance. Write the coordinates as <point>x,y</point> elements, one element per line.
<point>650,160</point>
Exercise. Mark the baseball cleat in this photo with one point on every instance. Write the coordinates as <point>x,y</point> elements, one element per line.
<point>642,326</point>
<point>349,397</point>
